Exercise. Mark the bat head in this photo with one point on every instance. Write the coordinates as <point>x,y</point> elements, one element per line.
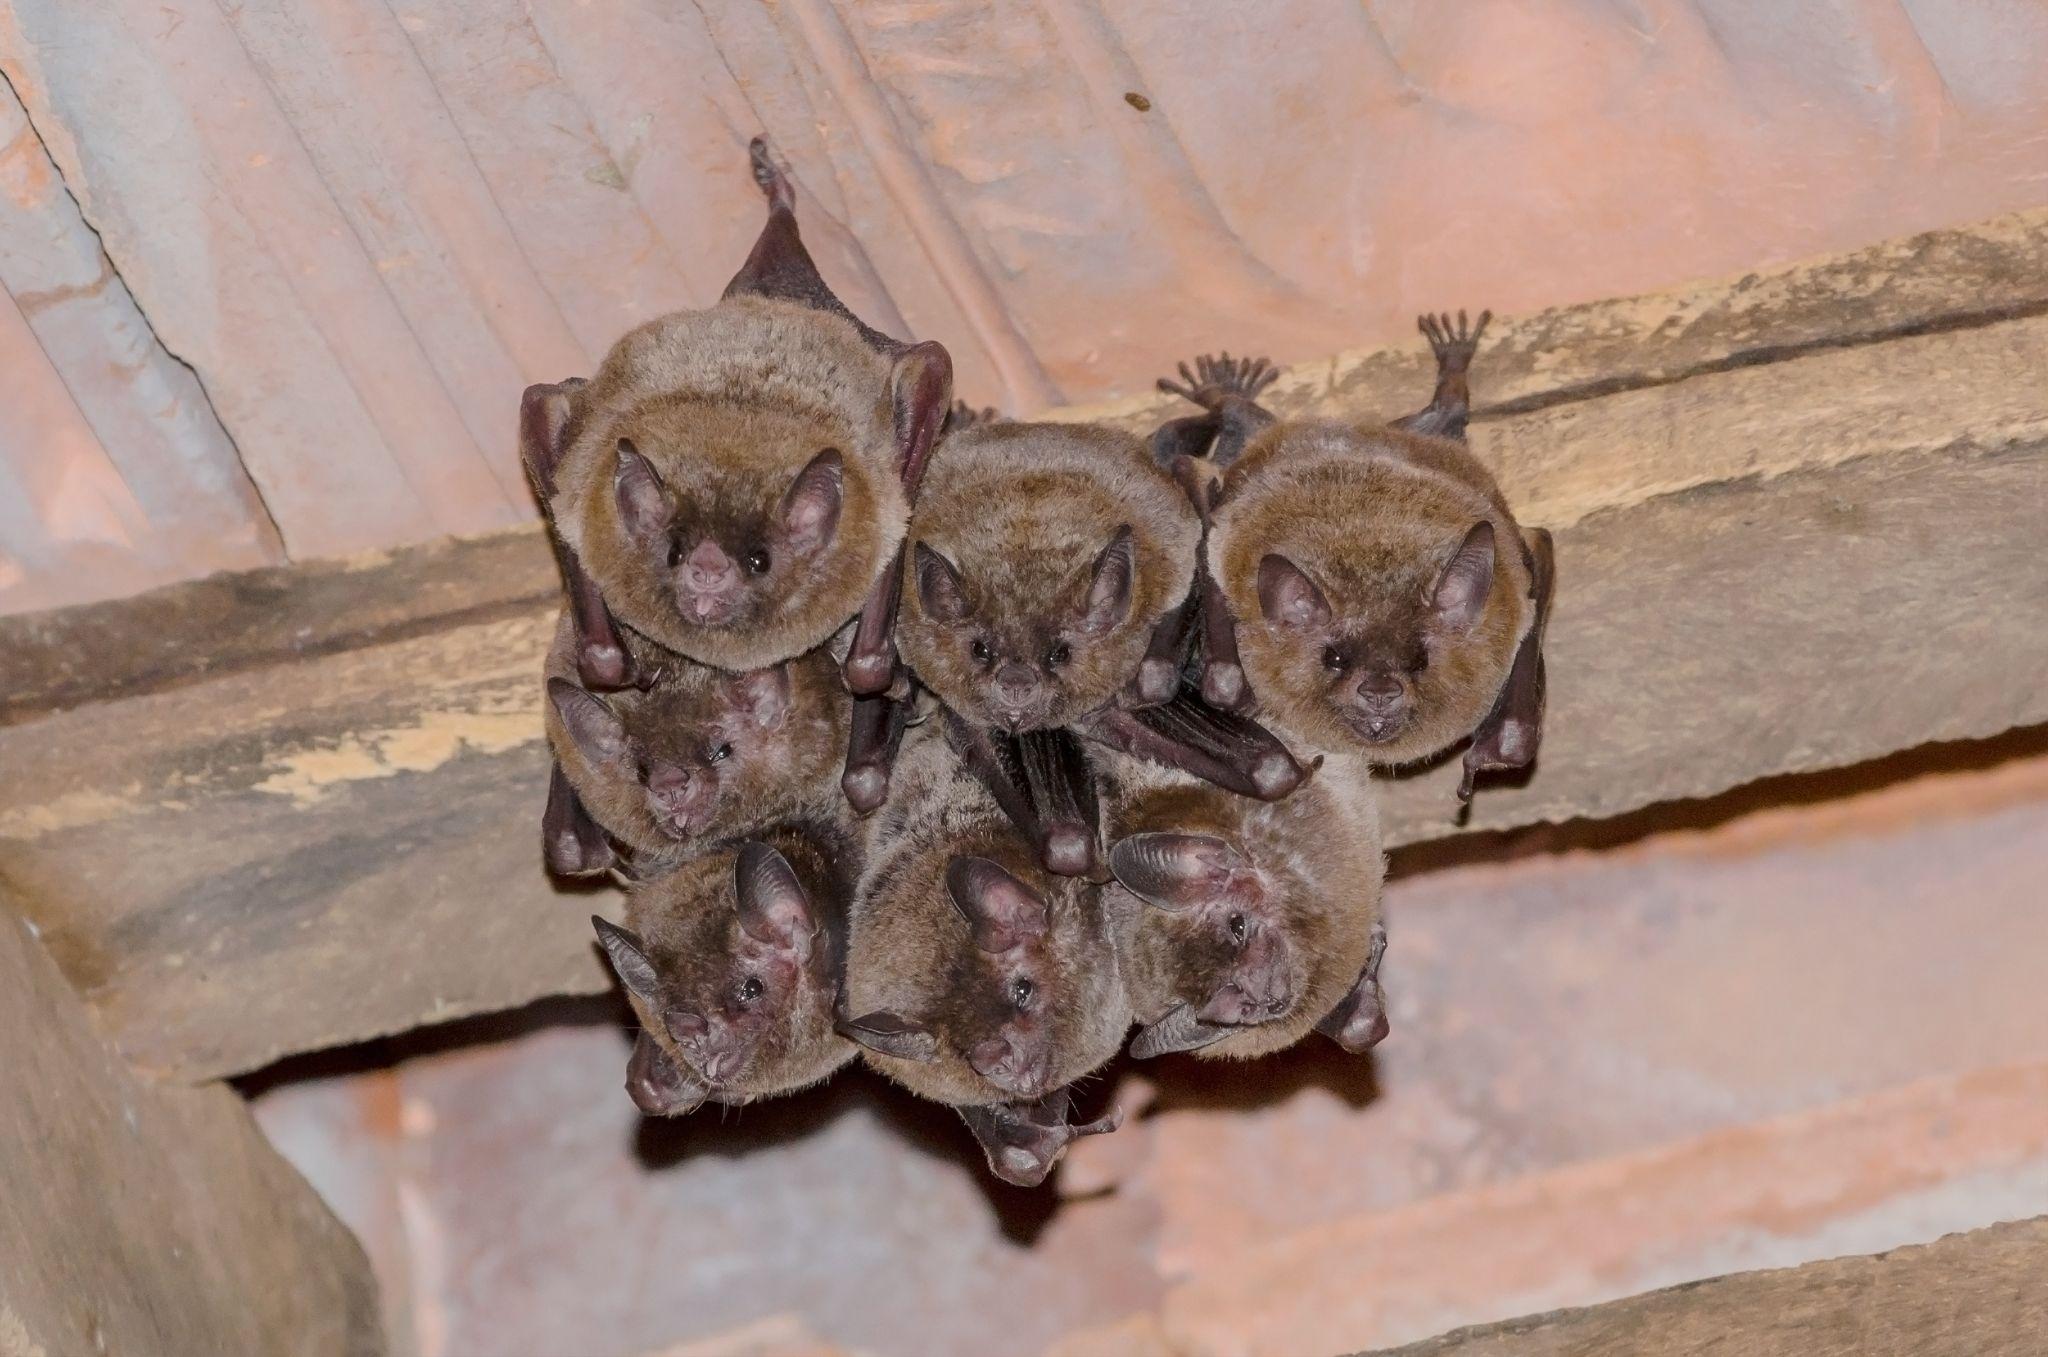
<point>1005,991</point>
<point>702,754</point>
<point>1042,556</point>
<point>1394,655</point>
<point>733,976</point>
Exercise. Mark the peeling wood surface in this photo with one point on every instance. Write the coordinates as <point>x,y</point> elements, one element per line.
<point>1968,1295</point>
<point>139,1219</point>
<point>303,811</point>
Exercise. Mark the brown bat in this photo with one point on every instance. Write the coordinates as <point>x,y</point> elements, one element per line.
<point>733,962</point>
<point>1241,925</point>
<point>1371,584</point>
<point>1043,558</point>
<point>736,481</point>
<point>700,755</point>
<point>974,978</point>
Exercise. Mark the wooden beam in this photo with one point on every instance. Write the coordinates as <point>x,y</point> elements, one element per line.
<point>1777,553</point>
<point>1962,1296</point>
<point>141,1219</point>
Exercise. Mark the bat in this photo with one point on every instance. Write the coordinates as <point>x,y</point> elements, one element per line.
<point>1241,925</point>
<point>735,482</point>
<point>1044,784</point>
<point>974,978</point>
<point>732,962</point>
<point>1372,588</point>
<point>1043,558</point>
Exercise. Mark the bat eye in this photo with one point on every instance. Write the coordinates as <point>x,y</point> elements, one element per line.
<point>982,653</point>
<point>1021,991</point>
<point>1236,924</point>
<point>756,561</point>
<point>720,754</point>
<point>751,989</point>
<point>675,553</point>
<point>1058,655</point>
<point>1333,659</point>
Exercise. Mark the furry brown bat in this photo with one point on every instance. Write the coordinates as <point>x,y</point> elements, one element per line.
<point>700,755</point>
<point>1240,925</point>
<point>1385,601</point>
<point>732,962</point>
<point>973,978</point>
<point>736,481</point>
<point>1042,559</point>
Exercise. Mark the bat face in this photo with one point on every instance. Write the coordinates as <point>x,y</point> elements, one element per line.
<point>1042,556</point>
<point>1002,988</point>
<point>732,976</point>
<point>702,754</point>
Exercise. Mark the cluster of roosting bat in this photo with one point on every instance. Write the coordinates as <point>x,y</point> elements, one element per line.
<point>964,745</point>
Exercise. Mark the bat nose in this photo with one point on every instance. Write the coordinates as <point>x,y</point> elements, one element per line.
<point>709,566</point>
<point>1380,692</point>
<point>1010,1067</point>
<point>1016,685</point>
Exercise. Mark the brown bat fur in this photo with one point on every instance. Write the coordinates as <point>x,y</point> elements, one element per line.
<point>731,753</point>
<point>728,406</point>
<point>1310,877</point>
<point>914,957</point>
<point>1022,514</point>
<point>702,955</point>
<point>1371,516</point>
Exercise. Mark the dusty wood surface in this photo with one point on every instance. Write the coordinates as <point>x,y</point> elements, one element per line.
<point>1969,1295</point>
<point>140,1219</point>
<point>305,813</point>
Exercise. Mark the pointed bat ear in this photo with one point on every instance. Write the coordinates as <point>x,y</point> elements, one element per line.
<point>643,501</point>
<point>891,1034</point>
<point>1289,597</point>
<point>1461,591</point>
<point>810,507</point>
<point>629,958</point>
<point>920,397</point>
<point>1179,1030</point>
<point>774,907</point>
<point>1174,872</point>
<point>658,1085</point>
<point>761,696</point>
<point>938,586</point>
<point>1109,587</point>
<point>1001,911</point>
<point>595,728</point>
<point>1359,1021</point>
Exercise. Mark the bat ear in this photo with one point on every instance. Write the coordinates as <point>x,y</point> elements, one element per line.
<point>1002,911</point>
<point>629,958</point>
<point>761,696</point>
<point>1288,596</point>
<point>774,907</point>
<point>1174,872</point>
<point>593,726</point>
<point>938,586</point>
<point>810,507</point>
<point>1179,1030</point>
<point>891,1034</point>
<point>1461,591</point>
<point>658,1085</point>
<point>920,396</point>
<point>643,501</point>
<point>1109,589</point>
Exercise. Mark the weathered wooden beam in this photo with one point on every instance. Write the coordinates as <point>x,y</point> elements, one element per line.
<point>143,1219</point>
<point>1963,1296</point>
<point>1774,565</point>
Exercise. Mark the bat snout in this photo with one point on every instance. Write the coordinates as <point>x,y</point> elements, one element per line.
<point>709,583</point>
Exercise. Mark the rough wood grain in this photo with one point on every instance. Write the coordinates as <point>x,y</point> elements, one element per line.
<point>302,811</point>
<point>139,1219</point>
<point>1968,1295</point>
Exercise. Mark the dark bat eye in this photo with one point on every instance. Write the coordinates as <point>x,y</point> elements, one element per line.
<point>1060,653</point>
<point>675,553</point>
<point>751,989</point>
<point>720,754</point>
<point>981,651</point>
<point>1333,659</point>
<point>1021,991</point>
<point>1236,923</point>
<point>756,561</point>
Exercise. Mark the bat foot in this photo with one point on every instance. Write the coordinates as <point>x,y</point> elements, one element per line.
<point>774,184</point>
<point>1453,342</point>
<point>965,416</point>
<point>866,788</point>
<point>1217,377</point>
